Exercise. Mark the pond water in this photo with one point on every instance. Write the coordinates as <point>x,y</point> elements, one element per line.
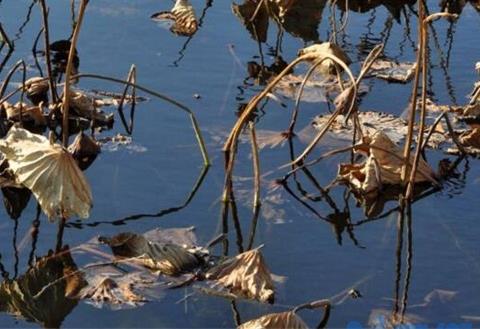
<point>426,265</point>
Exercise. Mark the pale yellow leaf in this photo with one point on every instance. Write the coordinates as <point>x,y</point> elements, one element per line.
<point>50,172</point>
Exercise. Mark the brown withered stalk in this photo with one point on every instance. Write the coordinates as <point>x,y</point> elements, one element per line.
<point>423,113</point>
<point>132,77</point>
<point>46,40</point>
<point>256,166</point>
<point>68,72</point>
<point>231,143</point>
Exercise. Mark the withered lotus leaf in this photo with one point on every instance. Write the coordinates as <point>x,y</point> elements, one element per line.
<point>327,48</point>
<point>276,320</point>
<point>86,107</point>
<point>107,290</point>
<point>471,138</point>
<point>371,121</point>
<point>167,258</point>
<point>183,16</point>
<point>50,172</point>
<point>84,150</point>
<point>29,113</point>
<point>36,89</point>
<point>382,166</point>
<point>245,275</point>
<point>392,71</point>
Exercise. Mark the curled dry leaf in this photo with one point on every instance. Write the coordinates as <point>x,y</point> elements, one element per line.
<point>183,17</point>
<point>382,166</point>
<point>470,140</point>
<point>50,172</point>
<point>392,71</point>
<point>276,321</point>
<point>245,275</point>
<point>84,150</point>
<point>86,107</point>
<point>168,258</point>
<point>36,90</point>
<point>107,290</point>
<point>29,113</point>
<point>327,48</point>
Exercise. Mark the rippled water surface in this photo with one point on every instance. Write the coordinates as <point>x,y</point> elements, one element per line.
<point>426,266</point>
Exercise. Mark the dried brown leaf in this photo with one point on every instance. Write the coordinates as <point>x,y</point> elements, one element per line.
<point>37,90</point>
<point>392,71</point>
<point>29,113</point>
<point>471,138</point>
<point>50,172</point>
<point>168,258</point>
<point>115,291</point>
<point>84,150</point>
<point>183,16</point>
<point>383,166</point>
<point>327,48</point>
<point>276,321</point>
<point>245,275</point>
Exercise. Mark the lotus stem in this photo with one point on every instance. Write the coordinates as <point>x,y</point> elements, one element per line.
<point>256,166</point>
<point>46,39</point>
<point>413,108</point>
<point>416,160</point>
<point>68,72</point>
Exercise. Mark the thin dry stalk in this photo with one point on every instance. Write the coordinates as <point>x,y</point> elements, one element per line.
<point>453,135</point>
<point>432,130</point>
<point>48,61</point>
<point>231,143</point>
<point>132,77</point>
<point>68,72</point>
<point>367,64</point>
<point>257,9</point>
<point>413,104</point>
<point>256,166</point>
<point>8,77</point>
<point>416,160</point>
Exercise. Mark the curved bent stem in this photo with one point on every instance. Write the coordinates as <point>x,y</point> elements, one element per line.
<point>196,128</point>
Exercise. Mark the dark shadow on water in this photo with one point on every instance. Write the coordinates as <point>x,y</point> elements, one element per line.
<point>161,213</point>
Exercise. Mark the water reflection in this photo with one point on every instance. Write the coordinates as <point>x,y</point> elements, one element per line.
<point>17,296</point>
<point>298,18</point>
<point>336,206</point>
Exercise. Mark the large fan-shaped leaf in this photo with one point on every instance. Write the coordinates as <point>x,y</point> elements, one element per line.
<point>50,172</point>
